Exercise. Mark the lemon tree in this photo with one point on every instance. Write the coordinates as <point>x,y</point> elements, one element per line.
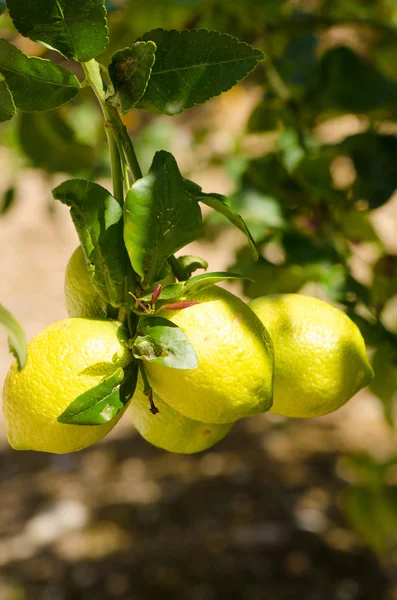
<point>64,361</point>
<point>320,354</point>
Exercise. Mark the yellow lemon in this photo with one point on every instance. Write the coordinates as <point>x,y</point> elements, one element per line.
<point>64,360</point>
<point>234,377</point>
<point>82,299</point>
<point>170,430</point>
<point>320,357</point>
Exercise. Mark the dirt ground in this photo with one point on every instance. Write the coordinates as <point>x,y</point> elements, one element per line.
<point>258,517</point>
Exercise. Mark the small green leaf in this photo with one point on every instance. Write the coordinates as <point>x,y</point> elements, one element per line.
<point>161,341</point>
<point>76,28</point>
<point>7,201</point>
<point>102,403</point>
<point>222,205</point>
<point>35,83</point>
<point>194,285</point>
<point>7,106</point>
<point>193,66</point>
<point>130,72</point>
<point>98,219</point>
<point>160,217</point>
<point>191,263</point>
<point>16,336</point>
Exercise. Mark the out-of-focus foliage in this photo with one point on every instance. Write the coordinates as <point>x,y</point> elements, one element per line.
<point>324,164</point>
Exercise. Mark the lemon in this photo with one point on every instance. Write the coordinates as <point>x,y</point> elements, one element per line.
<point>64,360</point>
<point>234,377</point>
<point>320,357</point>
<point>82,299</point>
<point>170,430</point>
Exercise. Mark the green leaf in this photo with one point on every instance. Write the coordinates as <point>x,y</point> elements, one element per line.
<point>102,403</point>
<point>384,384</point>
<point>3,6</point>
<point>161,341</point>
<point>374,157</point>
<point>191,263</point>
<point>160,217</point>
<point>8,200</point>
<point>50,143</point>
<point>222,205</point>
<point>7,106</point>
<point>193,66</point>
<point>194,285</point>
<point>130,72</point>
<point>76,28</point>
<point>35,83</point>
<point>16,336</point>
<point>98,219</point>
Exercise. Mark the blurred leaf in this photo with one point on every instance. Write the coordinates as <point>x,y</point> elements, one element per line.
<point>261,212</point>
<point>16,336</point>
<point>36,84</point>
<point>191,263</point>
<point>50,143</point>
<point>374,156</point>
<point>298,62</point>
<point>76,28</point>
<point>384,384</point>
<point>98,219</point>
<point>161,341</point>
<point>372,513</point>
<point>193,66</point>
<point>384,283</point>
<point>7,201</point>
<point>304,249</point>
<point>356,226</point>
<point>7,106</point>
<point>2,6</point>
<point>102,403</point>
<point>160,217</point>
<point>130,72</point>
<point>268,115</point>
<point>222,205</point>
<point>349,83</point>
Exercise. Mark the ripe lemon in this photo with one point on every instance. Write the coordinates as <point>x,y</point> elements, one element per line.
<point>64,360</point>
<point>170,430</point>
<point>320,358</point>
<point>82,299</point>
<point>234,377</point>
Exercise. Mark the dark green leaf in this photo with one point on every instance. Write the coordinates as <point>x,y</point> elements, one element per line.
<point>194,285</point>
<point>222,205</point>
<point>161,341</point>
<point>50,143</point>
<point>16,336</point>
<point>160,217</point>
<point>7,201</point>
<point>98,219</point>
<point>2,6</point>
<point>193,66</point>
<point>191,263</point>
<point>384,384</point>
<point>102,403</point>
<point>36,84</point>
<point>350,83</point>
<point>76,28</point>
<point>130,72</point>
<point>268,116</point>
<point>7,106</point>
<point>374,157</point>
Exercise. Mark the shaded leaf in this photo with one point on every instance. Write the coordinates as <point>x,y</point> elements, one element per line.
<point>98,219</point>
<point>50,143</point>
<point>7,201</point>
<point>222,205</point>
<point>35,83</point>
<point>160,217</point>
<point>102,403</point>
<point>2,6</point>
<point>161,341</point>
<point>191,263</point>
<point>16,336</point>
<point>384,384</point>
<point>130,72</point>
<point>76,28</point>
<point>193,66</point>
<point>7,106</point>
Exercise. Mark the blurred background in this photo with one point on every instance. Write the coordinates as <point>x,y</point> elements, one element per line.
<point>306,149</point>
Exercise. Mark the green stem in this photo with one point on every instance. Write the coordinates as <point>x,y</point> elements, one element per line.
<point>147,388</point>
<point>177,270</point>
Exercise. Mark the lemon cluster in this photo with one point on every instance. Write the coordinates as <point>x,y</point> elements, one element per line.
<point>290,354</point>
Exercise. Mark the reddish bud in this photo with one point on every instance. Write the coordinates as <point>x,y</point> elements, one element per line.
<point>156,293</point>
<point>179,304</point>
